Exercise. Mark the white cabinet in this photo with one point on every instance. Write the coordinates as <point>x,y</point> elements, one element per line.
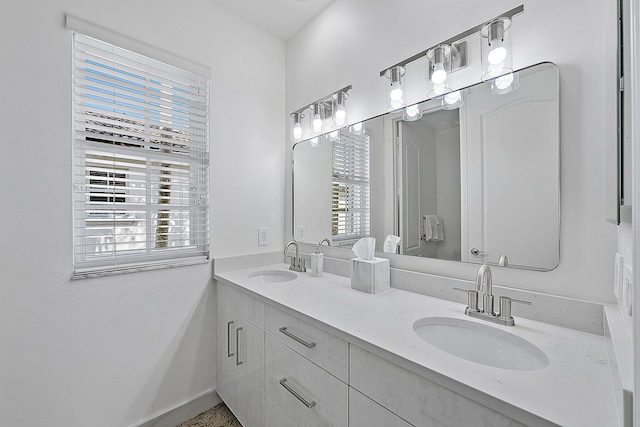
<point>364,412</point>
<point>240,359</point>
<point>416,399</point>
<point>306,393</point>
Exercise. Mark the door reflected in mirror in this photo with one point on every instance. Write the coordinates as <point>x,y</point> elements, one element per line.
<point>477,183</point>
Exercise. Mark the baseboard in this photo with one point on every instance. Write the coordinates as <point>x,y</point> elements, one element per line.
<point>183,412</point>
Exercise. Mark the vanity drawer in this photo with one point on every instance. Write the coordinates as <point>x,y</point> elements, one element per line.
<point>418,400</point>
<point>317,345</point>
<point>364,412</point>
<point>306,393</point>
<point>243,304</point>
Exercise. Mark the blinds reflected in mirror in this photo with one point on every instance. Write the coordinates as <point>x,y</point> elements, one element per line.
<point>351,205</point>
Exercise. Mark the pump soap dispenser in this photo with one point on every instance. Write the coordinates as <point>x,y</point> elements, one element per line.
<point>317,259</point>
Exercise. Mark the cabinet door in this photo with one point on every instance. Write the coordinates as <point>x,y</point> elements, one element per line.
<point>226,357</point>
<point>251,372</point>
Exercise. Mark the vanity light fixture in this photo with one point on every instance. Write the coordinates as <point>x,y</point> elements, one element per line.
<point>439,58</point>
<point>412,113</point>
<point>451,55</point>
<point>453,100</point>
<point>296,126</point>
<point>331,107</point>
<point>395,87</point>
<point>496,48</point>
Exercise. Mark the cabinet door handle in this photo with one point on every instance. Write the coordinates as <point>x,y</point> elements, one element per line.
<point>238,362</point>
<point>297,339</point>
<point>283,383</point>
<point>229,354</point>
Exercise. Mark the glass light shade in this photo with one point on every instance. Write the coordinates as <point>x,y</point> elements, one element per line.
<point>412,113</point>
<point>438,72</point>
<point>496,49</point>
<point>340,112</point>
<point>316,120</point>
<point>505,84</point>
<point>453,100</point>
<point>395,88</point>
<point>358,128</point>
<point>296,126</point>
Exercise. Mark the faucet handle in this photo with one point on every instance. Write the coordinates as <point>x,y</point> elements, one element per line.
<point>472,298</point>
<point>505,306</point>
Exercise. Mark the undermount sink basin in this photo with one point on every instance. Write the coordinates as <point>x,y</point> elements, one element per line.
<point>272,276</point>
<point>480,343</point>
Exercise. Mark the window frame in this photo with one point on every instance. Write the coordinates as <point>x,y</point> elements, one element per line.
<point>198,208</point>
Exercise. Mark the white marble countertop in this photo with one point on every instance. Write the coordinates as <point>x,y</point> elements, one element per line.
<point>574,390</point>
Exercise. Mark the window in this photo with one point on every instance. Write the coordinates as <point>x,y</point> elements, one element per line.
<point>350,187</point>
<point>141,172</point>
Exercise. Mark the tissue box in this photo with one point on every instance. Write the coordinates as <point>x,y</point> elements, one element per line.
<point>370,276</point>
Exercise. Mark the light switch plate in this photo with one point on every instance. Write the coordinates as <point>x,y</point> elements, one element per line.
<point>300,233</point>
<point>263,236</point>
<point>618,273</point>
<point>627,291</point>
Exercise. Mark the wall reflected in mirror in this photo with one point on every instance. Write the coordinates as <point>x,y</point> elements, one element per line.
<point>476,183</point>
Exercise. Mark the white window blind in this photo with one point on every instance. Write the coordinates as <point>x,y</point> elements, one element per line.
<point>350,190</point>
<point>141,160</point>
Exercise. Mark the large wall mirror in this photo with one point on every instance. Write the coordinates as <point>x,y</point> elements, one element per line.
<point>476,183</point>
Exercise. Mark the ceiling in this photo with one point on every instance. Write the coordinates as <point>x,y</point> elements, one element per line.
<point>282,18</point>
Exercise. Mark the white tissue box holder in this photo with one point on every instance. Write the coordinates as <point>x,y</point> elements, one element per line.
<point>371,276</point>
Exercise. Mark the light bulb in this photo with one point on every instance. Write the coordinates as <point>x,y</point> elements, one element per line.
<point>497,55</point>
<point>452,98</point>
<point>297,131</point>
<point>412,110</point>
<point>439,89</point>
<point>439,74</point>
<point>333,136</point>
<point>317,123</point>
<point>396,94</point>
<point>340,116</point>
<point>505,81</point>
<point>357,128</point>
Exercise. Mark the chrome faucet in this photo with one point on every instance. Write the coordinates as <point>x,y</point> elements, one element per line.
<point>484,283</point>
<point>325,240</point>
<point>484,280</point>
<point>297,263</point>
<point>504,261</point>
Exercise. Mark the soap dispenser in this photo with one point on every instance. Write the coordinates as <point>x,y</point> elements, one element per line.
<point>317,259</point>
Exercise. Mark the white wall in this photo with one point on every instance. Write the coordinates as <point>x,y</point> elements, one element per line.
<point>113,351</point>
<point>353,40</point>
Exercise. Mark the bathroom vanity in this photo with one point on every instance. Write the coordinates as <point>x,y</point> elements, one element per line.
<point>296,350</point>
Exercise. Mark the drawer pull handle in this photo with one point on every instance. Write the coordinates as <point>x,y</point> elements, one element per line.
<point>229,354</point>
<point>295,338</point>
<point>238,362</point>
<point>283,383</point>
